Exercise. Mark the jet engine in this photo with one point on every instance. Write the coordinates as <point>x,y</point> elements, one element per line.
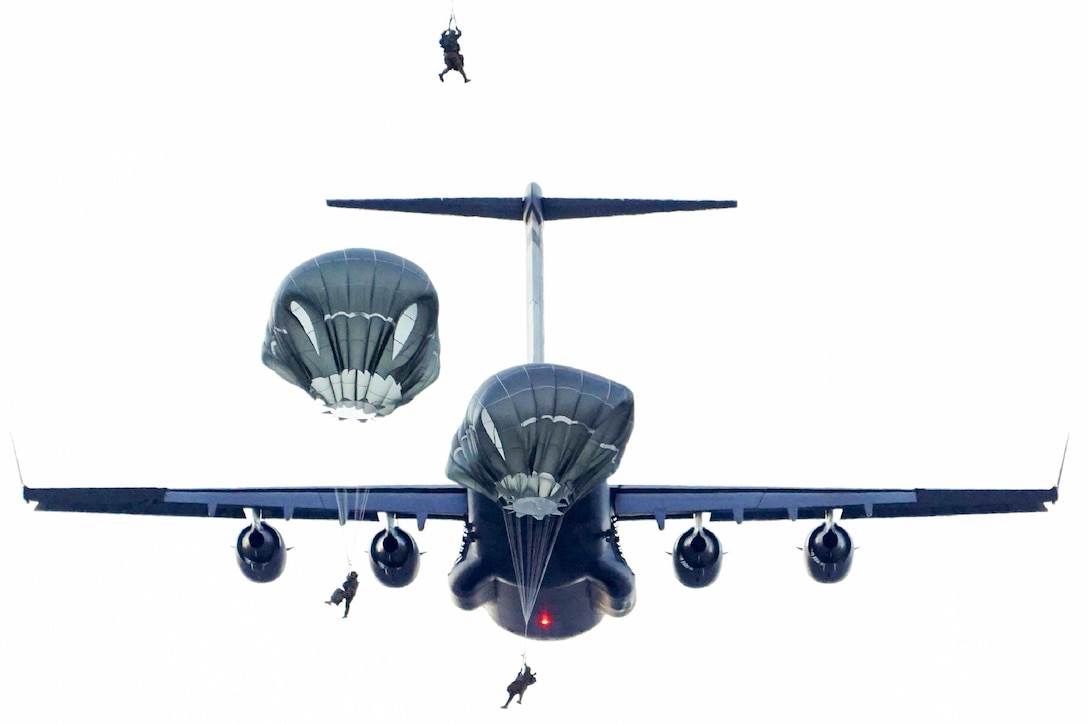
<point>260,552</point>
<point>394,557</point>
<point>829,553</point>
<point>697,557</point>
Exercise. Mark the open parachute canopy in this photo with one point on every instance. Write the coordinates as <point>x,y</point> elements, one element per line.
<point>536,437</point>
<point>357,329</point>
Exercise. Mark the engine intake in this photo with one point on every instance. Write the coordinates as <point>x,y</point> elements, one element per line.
<point>394,557</point>
<point>829,553</point>
<point>260,552</point>
<point>697,558</point>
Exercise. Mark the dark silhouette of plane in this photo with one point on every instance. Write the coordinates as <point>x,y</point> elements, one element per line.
<point>586,577</point>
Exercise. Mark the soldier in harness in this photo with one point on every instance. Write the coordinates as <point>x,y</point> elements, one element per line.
<point>345,593</point>
<point>451,51</point>
<point>521,683</point>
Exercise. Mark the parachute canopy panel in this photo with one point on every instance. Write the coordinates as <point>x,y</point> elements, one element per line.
<point>536,437</point>
<point>357,329</point>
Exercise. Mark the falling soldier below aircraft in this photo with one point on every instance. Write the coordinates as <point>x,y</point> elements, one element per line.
<point>520,684</point>
<point>345,593</point>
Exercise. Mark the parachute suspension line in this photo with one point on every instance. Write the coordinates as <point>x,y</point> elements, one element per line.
<point>360,512</point>
<point>453,18</point>
<point>531,542</point>
<point>351,505</point>
<point>525,643</point>
<point>342,512</point>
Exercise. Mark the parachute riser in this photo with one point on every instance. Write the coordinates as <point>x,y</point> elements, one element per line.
<point>531,543</point>
<point>353,508</point>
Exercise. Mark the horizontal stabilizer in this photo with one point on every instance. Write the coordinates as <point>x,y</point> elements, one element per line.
<point>511,208</point>
<point>491,207</point>
<point>587,208</point>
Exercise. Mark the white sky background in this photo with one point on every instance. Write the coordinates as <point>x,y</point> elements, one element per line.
<point>898,301</point>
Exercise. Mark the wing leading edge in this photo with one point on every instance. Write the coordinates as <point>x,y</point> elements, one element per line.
<point>771,504</point>
<point>418,502</point>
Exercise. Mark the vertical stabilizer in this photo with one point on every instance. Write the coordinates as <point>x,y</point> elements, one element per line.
<point>534,271</point>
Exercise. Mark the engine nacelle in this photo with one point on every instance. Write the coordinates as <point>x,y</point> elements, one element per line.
<point>260,552</point>
<point>394,557</point>
<point>697,558</point>
<point>829,553</point>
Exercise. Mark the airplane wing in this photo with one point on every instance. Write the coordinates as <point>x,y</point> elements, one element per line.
<point>418,502</point>
<point>769,504</point>
<point>628,502</point>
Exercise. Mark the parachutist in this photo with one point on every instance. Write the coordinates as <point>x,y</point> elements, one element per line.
<point>451,51</point>
<point>521,683</point>
<point>345,593</point>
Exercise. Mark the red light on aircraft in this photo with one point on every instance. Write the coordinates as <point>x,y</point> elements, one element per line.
<point>545,620</point>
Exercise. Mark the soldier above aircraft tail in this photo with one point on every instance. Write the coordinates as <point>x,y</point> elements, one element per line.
<point>451,51</point>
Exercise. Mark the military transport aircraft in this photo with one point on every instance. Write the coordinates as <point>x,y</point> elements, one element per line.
<point>540,550</point>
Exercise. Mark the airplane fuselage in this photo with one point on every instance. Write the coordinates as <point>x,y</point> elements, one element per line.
<point>586,577</point>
